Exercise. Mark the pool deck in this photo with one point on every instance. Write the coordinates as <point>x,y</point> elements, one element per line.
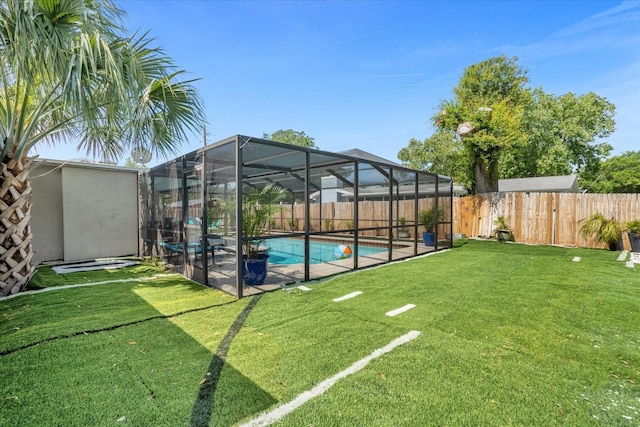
<point>222,272</point>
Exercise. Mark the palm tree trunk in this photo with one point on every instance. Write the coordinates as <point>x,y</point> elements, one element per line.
<point>15,225</point>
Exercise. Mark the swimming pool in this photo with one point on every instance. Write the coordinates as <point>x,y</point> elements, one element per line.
<point>291,251</point>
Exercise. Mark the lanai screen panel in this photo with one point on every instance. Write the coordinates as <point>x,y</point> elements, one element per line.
<point>427,198</point>
<point>195,248</point>
<point>405,203</point>
<point>163,220</point>
<point>405,197</point>
<point>332,229</point>
<point>332,189</point>
<point>445,200</point>
<point>265,163</point>
<point>374,220</point>
<point>220,215</point>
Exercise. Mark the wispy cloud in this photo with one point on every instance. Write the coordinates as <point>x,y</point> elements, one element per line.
<point>614,27</point>
<point>626,12</point>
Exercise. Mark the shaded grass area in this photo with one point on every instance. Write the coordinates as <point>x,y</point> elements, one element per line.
<point>511,334</point>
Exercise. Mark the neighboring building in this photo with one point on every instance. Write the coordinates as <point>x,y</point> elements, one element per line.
<point>541,184</point>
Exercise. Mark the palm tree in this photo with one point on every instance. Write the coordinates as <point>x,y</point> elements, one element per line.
<point>69,72</point>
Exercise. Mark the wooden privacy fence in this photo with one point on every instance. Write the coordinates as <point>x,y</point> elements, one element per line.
<point>373,215</point>
<point>542,218</point>
<point>537,218</point>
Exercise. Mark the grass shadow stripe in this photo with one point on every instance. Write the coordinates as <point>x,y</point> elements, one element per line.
<point>203,406</point>
<point>111,328</point>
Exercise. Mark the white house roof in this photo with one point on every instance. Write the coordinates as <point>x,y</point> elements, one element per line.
<point>556,184</point>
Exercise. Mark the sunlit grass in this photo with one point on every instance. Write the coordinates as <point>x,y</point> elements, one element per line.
<point>511,335</point>
<point>46,277</point>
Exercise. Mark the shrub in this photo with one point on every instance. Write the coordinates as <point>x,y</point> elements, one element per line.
<point>602,230</point>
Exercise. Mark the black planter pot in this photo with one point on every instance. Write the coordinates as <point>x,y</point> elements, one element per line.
<point>634,238</point>
<point>615,246</point>
<point>254,270</point>
<point>504,235</point>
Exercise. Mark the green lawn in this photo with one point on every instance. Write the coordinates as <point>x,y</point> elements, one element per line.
<point>510,335</point>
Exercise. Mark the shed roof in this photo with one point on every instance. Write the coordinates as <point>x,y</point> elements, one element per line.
<point>558,184</point>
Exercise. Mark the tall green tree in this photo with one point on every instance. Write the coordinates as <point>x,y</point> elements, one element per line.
<point>292,137</point>
<point>618,174</point>
<point>487,112</point>
<point>69,71</point>
<point>441,153</point>
<point>507,130</point>
<point>561,133</point>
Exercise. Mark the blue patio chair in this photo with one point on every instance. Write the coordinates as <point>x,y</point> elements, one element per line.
<point>172,250</point>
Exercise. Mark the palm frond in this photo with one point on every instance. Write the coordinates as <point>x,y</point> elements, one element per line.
<point>67,68</point>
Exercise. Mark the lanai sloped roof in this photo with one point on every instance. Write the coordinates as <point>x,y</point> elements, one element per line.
<point>364,155</point>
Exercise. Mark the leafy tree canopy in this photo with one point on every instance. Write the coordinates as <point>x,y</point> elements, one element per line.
<point>292,137</point>
<point>503,129</point>
<point>487,111</point>
<point>441,153</point>
<point>560,134</point>
<point>619,174</point>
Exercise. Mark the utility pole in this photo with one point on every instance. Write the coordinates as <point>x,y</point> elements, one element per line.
<point>204,135</point>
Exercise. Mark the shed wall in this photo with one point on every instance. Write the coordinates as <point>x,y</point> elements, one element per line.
<point>100,213</point>
<point>46,213</point>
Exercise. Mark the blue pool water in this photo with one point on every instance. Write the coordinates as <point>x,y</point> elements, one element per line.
<point>291,251</point>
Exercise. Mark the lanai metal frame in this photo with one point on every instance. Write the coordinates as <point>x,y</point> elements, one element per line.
<point>180,197</point>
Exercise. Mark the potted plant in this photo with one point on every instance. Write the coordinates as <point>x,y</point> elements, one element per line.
<point>502,231</point>
<point>403,233</point>
<point>257,208</point>
<point>348,225</point>
<point>328,225</point>
<point>429,219</point>
<point>603,230</point>
<point>215,213</point>
<point>633,229</point>
<point>377,228</point>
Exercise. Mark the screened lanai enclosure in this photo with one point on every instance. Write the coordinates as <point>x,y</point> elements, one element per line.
<point>309,213</point>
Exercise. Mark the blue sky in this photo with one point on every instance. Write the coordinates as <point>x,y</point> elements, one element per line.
<point>371,74</point>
